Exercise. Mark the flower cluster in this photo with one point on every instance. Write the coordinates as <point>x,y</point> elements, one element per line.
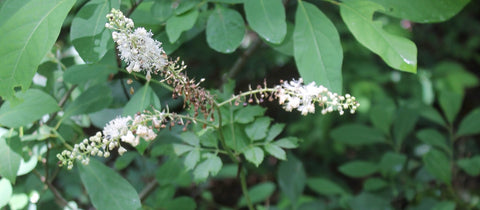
<point>120,129</point>
<point>136,46</point>
<point>296,95</point>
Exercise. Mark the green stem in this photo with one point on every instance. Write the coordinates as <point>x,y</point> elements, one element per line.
<point>242,174</point>
<point>251,92</point>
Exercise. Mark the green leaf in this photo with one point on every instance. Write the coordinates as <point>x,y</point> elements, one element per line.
<point>10,154</point>
<point>162,9</point>
<point>185,5</point>
<point>450,103</point>
<point>470,165</point>
<point>227,1</point>
<point>434,138</point>
<point>182,202</point>
<point>287,143</point>
<point>454,77</point>
<point>286,46</point>
<point>382,115</point>
<point>106,188</point>
<point>267,18</point>
<point>433,115</point>
<point>180,23</point>
<point>373,184</point>
<point>254,155</point>
<point>358,168</point>
<point>398,52</point>
<point>258,129</point>
<point>438,165</point>
<point>274,131</point>
<point>125,160</point>
<point>27,166</point>
<point>324,186</point>
<point>258,193</point>
<point>423,11</point>
<point>88,33</point>
<point>357,134</point>
<point>469,124</point>
<point>291,178</point>
<point>208,138</point>
<point>444,205</point>
<point>404,123</point>
<point>171,172</point>
<point>35,103</point>
<point>225,30</point>
<point>190,138</point>
<point>28,31</point>
<point>83,73</point>
<point>276,151</point>
<point>366,200</point>
<point>317,48</point>
<point>93,99</point>
<point>143,98</point>
<point>192,159</point>
<point>179,149</point>
<point>210,166</point>
<point>248,114</point>
<point>5,191</point>
<point>392,163</point>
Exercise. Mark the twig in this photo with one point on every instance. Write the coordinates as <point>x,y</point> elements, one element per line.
<point>240,62</point>
<point>61,103</point>
<point>151,186</point>
<point>58,197</point>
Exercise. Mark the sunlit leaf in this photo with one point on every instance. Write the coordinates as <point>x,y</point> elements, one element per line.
<point>267,18</point>
<point>225,30</point>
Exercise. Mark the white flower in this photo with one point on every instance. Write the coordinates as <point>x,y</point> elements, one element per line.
<point>130,138</point>
<point>117,127</point>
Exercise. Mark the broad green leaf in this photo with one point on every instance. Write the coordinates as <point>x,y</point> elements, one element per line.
<point>171,172</point>
<point>450,103</point>
<point>10,154</point>
<point>287,143</point>
<point>5,191</point>
<point>274,131</point>
<point>324,186</point>
<point>438,165</point>
<point>423,11</point>
<point>88,33</point>
<point>248,114</point>
<point>235,137</point>
<point>180,23</point>
<point>434,138</point>
<point>470,124</point>
<point>254,155</point>
<point>182,202</point>
<point>210,166</point>
<point>28,30</point>
<point>454,77</point>
<point>276,151</point>
<point>358,168</point>
<point>392,163</point>
<point>27,166</point>
<point>291,178</point>
<point>227,1</point>
<point>106,188</point>
<point>267,18</point>
<point>404,123</point>
<point>444,205</point>
<point>125,160</point>
<point>357,134</point>
<point>35,103</point>
<point>225,30</point>
<point>286,46</point>
<point>208,138</point>
<point>258,129</point>
<point>398,52</point>
<point>93,99</point>
<point>143,99</point>
<point>373,184</point>
<point>470,165</point>
<point>317,49</point>
<point>366,200</point>
<point>83,73</point>
<point>258,193</point>
<point>192,159</point>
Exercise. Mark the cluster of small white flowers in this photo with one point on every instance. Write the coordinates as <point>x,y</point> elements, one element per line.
<point>136,47</point>
<point>296,95</point>
<point>119,129</point>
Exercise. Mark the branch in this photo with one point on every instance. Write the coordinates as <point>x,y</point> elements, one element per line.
<point>151,186</point>
<point>240,62</point>
<point>58,197</point>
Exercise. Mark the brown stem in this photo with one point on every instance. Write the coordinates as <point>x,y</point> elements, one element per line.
<point>58,197</point>
<point>151,186</point>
